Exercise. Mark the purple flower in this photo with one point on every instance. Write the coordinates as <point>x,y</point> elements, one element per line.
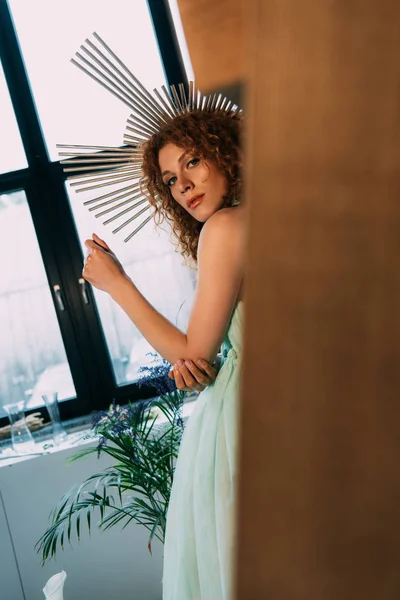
<point>156,375</point>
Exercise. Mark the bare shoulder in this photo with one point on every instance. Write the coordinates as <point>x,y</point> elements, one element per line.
<point>223,236</point>
<point>224,223</point>
<point>226,217</point>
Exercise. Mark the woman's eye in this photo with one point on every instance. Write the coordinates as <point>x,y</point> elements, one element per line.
<point>193,162</point>
<point>171,181</point>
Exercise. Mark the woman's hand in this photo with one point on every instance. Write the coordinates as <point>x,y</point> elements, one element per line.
<point>102,268</point>
<point>193,375</point>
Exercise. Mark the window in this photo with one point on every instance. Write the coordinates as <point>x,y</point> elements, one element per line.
<point>56,334</point>
<point>71,107</point>
<point>12,155</point>
<point>32,354</point>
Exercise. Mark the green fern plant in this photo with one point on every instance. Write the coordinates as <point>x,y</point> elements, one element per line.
<point>143,439</point>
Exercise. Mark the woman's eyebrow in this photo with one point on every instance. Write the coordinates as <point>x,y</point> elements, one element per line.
<point>180,159</point>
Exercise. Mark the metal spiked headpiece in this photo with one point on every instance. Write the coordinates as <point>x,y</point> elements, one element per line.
<point>92,167</point>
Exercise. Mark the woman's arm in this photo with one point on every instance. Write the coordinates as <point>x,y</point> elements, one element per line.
<point>220,271</point>
<point>161,334</point>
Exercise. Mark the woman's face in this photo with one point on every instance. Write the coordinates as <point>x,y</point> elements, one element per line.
<point>198,186</point>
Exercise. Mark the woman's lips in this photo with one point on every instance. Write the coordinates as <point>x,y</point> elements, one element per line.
<point>195,201</point>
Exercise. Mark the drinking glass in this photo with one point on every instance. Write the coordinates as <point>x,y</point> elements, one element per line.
<point>21,437</point>
<point>51,402</point>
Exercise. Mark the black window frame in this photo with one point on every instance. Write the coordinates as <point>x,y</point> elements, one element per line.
<point>44,184</point>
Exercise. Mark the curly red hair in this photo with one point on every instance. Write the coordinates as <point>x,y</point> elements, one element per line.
<point>214,137</point>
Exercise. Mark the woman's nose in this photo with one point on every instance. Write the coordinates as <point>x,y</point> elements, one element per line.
<point>184,184</point>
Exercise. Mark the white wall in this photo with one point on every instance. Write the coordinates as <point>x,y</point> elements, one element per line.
<point>10,585</point>
<point>110,565</point>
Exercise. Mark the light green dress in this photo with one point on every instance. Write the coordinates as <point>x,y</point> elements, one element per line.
<point>198,549</point>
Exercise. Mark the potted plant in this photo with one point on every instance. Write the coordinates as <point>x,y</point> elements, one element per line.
<point>143,439</point>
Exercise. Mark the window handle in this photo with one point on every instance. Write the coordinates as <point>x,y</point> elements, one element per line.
<point>84,293</point>
<point>59,297</point>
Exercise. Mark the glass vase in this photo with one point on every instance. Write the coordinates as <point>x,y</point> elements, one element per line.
<point>21,438</point>
<point>51,402</point>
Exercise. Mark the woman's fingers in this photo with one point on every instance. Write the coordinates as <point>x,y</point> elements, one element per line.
<point>184,379</point>
<point>199,375</point>
<point>91,245</point>
<point>179,382</point>
<point>102,269</point>
<point>96,243</point>
<point>101,242</point>
<point>191,376</point>
<point>210,371</point>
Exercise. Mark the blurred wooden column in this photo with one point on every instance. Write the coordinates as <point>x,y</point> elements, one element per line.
<point>216,38</point>
<point>319,490</point>
<point>320,450</point>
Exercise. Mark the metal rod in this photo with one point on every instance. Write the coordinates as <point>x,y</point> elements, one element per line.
<point>109,171</point>
<point>104,85</point>
<point>176,98</point>
<point>218,103</point>
<point>224,101</point>
<point>182,92</point>
<point>113,208</point>
<point>128,189</point>
<point>136,140</point>
<point>236,112</point>
<point>161,99</point>
<point>174,108</point>
<point>191,95</point>
<point>131,92</point>
<point>98,185</point>
<point>145,136</point>
<point>134,104</point>
<point>89,161</point>
<point>131,219</point>
<point>146,124</point>
<point>115,148</point>
<point>90,168</point>
<point>133,139</point>
<point>135,231</point>
<point>213,103</point>
<point>107,202</point>
<point>133,121</point>
<point>142,99</point>
<point>93,154</point>
<point>119,61</point>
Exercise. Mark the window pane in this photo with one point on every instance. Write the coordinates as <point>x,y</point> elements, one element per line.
<point>32,354</point>
<point>73,108</point>
<point>155,268</point>
<point>12,155</point>
<point>180,34</point>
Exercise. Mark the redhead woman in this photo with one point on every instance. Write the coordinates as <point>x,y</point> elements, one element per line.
<point>185,157</point>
